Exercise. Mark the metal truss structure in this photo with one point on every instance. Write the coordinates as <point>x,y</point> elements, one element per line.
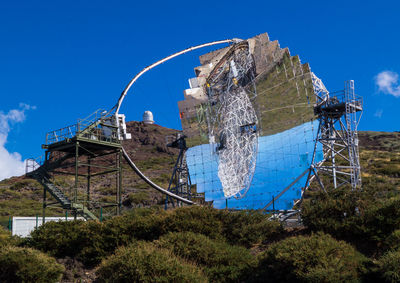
<point>179,182</point>
<point>232,120</point>
<point>86,150</point>
<point>338,116</point>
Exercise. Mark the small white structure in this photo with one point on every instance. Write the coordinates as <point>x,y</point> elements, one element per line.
<point>122,133</point>
<point>23,226</point>
<point>148,118</point>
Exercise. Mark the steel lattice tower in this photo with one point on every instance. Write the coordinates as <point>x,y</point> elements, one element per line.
<point>338,117</point>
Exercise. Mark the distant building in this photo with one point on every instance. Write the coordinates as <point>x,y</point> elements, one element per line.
<point>148,118</point>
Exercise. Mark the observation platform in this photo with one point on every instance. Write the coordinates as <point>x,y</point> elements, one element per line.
<point>336,106</point>
<point>88,149</point>
<point>97,132</point>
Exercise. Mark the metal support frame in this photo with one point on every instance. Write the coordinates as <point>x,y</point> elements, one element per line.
<point>84,153</point>
<point>81,196</point>
<point>179,182</point>
<point>338,116</point>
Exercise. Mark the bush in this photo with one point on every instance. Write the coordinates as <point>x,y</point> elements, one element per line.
<point>140,223</point>
<point>28,265</point>
<point>389,266</point>
<point>354,216</point>
<point>137,198</point>
<point>6,239</point>
<point>59,238</point>
<point>382,219</point>
<point>88,241</point>
<point>221,261</point>
<point>243,228</point>
<point>250,228</point>
<point>392,242</point>
<point>334,213</point>
<point>143,262</point>
<point>315,258</point>
<point>196,219</point>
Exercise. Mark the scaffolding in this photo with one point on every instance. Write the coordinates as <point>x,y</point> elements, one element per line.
<point>338,115</point>
<point>179,182</point>
<point>89,149</point>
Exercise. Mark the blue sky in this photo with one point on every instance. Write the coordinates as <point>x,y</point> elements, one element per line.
<point>61,60</point>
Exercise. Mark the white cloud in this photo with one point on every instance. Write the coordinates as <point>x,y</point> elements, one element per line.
<point>11,163</point>
<point>25,106</point>
<point>388,82</point>
<point>378,113</point>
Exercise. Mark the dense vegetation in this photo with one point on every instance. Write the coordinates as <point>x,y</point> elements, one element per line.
<point>143,262</point>
<point>314,258</point>
<point>23,264</point>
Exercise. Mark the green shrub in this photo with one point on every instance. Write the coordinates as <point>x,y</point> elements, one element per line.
<point>388,170</point>
<point>382,219</point>
<point>143,262</point>
<point>334,213</point>
<point>221,261</point>
<point>249,228</point>
<point>88,241</point>
<point>141,223</point>
<point>91,241</point>
<point>137,198</point>
<point>61,238</point>
<point>392,242</point>
<point>315,258</point>
<point>196,219</point>
<point>243,228</point>
<point>6,239</point>
<point>97,241</point>
<point>389,266</point>
<point>357,217</point>
<point>28,265</point>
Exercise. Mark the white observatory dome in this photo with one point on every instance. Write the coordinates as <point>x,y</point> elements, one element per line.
<point>148,118</point>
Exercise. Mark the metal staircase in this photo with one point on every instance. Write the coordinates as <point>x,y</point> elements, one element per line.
<point>56,193</point>
<point>84,211</point>
<point>42,176</point>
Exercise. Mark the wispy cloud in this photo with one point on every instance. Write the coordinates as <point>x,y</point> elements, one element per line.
<point>11,163</point>
<point>388,82</point>
<point>378,113</point>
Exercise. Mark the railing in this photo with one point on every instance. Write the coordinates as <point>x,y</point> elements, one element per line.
<point>61,134</point>
<point>92,118</point>
<point>99,126</point>
<point>31,164</point>
<point>336,98</point>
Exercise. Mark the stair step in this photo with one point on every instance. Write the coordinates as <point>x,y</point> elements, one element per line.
<point>41,176</point>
